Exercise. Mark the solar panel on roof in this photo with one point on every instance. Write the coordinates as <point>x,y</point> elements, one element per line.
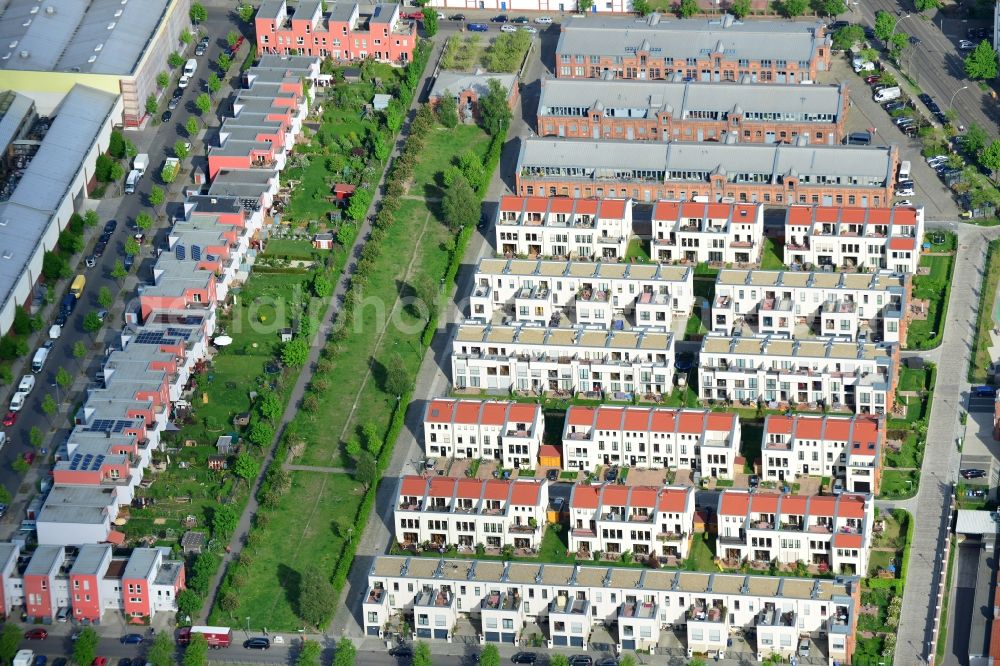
<point>179,252</point>
<point>196,252</point>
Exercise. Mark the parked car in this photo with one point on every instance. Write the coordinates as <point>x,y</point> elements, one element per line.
<point>166,116</point>
<point>124,661</point>
<point>100,248</point>
<point>972,473</point>
<point>29,457</point>
<point>457,17</point>
<point>10,418</point>
<point>872,78</point>
<point>402,650</point>
<point>200,50</point>
<point>552,475</point>
<point>530,29</point>
<point>501,18</point>
<point>581,660</point>
<point>543,20</point>
<point>477,27</point>
<point>99,661</point>
<point>520,20</point>
<point>257,643</point>
<point>40,660</point>
<point>131,639</point>
<point>611,474</point>
<point>965,45</point>
<point>902,202</point>
<point>507,27</point>
<point>753,481</point>
<point>36,634</point>
<point>838,486</point>
<point>524,658</point>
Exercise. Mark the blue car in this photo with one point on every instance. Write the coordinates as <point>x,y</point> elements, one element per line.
<point>131,639</point>
<point>478,27</point>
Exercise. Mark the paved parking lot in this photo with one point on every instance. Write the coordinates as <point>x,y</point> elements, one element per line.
<point>866,114</point>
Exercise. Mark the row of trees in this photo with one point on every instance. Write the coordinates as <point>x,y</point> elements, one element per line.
<point>742,8</point>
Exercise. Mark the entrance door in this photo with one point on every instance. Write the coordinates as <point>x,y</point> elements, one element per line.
<point>630,134</point>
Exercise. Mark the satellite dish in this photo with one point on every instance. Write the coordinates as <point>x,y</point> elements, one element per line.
<point>223,340</point>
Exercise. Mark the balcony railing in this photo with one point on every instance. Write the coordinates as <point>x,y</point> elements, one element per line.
<point>698,613</point>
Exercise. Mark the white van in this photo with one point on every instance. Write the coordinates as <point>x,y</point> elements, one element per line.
<point>190,66</point>
<point>904,170</point>
<point>132,180</point>
<point>887,94</point>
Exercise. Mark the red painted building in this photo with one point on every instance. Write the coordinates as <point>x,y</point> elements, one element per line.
<point>40,581</point>
<point>345,33</point>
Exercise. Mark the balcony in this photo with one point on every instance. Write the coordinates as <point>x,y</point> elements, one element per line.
<point>772,617</point>
<point>532,293</point>
<point>584,532</point>
<point>723,302</point>
<point>647,298</point>
<point>567,606</point>
<point>778,446</point>
<point>839,307</point>
<point>376,595</point>
<point>434,598</point>
<point>501,601</point>
<point>637,610</point>
<point>592,296</point>
<point>741,245</point>
<point>700,613</point>
<point>409,505</point>
<point>671,536</point>
<point>522,529</point>
<point>820,529</point>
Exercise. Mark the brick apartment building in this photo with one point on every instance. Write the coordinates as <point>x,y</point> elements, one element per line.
<point>717,49</point>
<point>687,111</point>
<point>713,172</point>
<point>344,33</point>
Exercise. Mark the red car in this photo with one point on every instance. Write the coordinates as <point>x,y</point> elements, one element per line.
<point>36,634</point>
<point>100,661</point>
<point>10,418</point>
<point>873,78</point>
<point>416,16</point>
<point>29,457</point>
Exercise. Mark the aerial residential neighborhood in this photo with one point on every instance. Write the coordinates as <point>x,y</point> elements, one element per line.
<point>580,334</point>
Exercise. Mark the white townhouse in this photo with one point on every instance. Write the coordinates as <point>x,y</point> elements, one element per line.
<point>652,437</point>
<point>445,511</point>
<point>830,532</point>
<point>552,293</point>
<point>535,227</point>
<point>858,376</point>
<point>699,232</point>
<point>567,602</point>
<point>846,306</point>
<point>646,521</point>
<point>510,432</point>
<point>854,238</point>
<point>848,448</point>
<point>585,360</point>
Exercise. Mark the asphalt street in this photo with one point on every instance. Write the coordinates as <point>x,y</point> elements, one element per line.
<point>158,142</point>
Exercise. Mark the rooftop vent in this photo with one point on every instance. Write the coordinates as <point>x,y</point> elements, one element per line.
<point>50,10</point>
<point>118,12</point>
<point>26,23</point>
<point>97,49</point>
<point>8,254</point>
<point>9,54</point>
<point>13,44</point>
<point>111,26</point>
<point>34,10</point>
<point>92,58</point>
<point>25,54</point>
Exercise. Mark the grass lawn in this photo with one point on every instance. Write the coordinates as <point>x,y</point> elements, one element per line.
<point>985,322</point>
<point>936,288</point>
<point>463,53</point>
<point>913,379</point>
<point>704,289</point>
<point>751,435</point>
<point>289,248</point>
<point>638,251</point>
<point>898,484</point>
<point>262,309</point>
<point>942,639</point>
<point>312,197</point>
<point>443,146</point>
<point>703,552</point>
<point>909,456</point>
<point>682,397</point>
<point>300,535</point>
<point>695,328</point>
<point>879,559</point>
<point>771,258</point>
<point>948,241</point>
<point>554,547</point>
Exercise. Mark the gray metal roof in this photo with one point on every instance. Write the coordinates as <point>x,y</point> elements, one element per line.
<point>89,559</point>
<point>738,158</point>
<point>342,11</point>
<point>242,182</point>
<point>141,563</point>
<point>269,9</point>
<point>26,216</point>
<point>456,82</point>
<point>45,560</point>
<point>690,38</point>
<point>680,98</point>
<point>95,36</point>
<point>976,522</point>
<point>14,108</point>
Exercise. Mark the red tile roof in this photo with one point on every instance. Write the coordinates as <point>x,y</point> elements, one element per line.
<point>467,411</point>
<point>440,411</point>
<point>901,243</point>
<point>526,493</point>
<point>523,413</point>
<point>764,502</point>
<point>580,416</point>
<point>614,495</point>
<point>493,413</point>
<point>674,500</point>
<point>851,506</point>
<point>809,428</point>
<point>609,418</point>
<point>413,485</point>
<point>644,496</point>
<point>612,209</point>
<point>691,422</point>
<point>734,503</point>
<point>560,205</point>
<point>583,497</point>
<point>636,419</point>
<point>469,488</point>
<point>549,451</point>
<point>441,486</point>
<point>842,540</point>
<point>496,489</point>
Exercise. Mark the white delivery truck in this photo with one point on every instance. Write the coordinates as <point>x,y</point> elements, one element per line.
<point>27,384</point>
<point>887,94</point>
<point>55,330</point>
<point>42,355</point>
<point>132,180</point>
<point>24,658</point>
<point>190,66</point>
<point>904,170</point>
<point>141,163</point>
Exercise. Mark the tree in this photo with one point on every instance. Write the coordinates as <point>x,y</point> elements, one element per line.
<point>365,469</point>
<point>317,599</point>
<point>397,379</point>
<point>687,8</point>
<point>156,196</point>
<point>430,21</point>
<point>831,7</point>
<point>887,78</point>
<point>186,37</point>
<point>373,440</point>
<point>118,272</point>
<point>261,433</point>
<point>92,322</point>
<point>426,291</point>
<point>232,37</point>
<point>421,654</point>
<point>641,7</point>
<point>447,111</point>
<point>90,218</point>
<point>104,298</point>
<point>161,652</point>
<point>493,110</point>
<point>175,59</point>
<point>79,352</point>
<point>380,147</point>
<point>10,638</point>
<point>345,654</point>
<point>584,6</point>
<point>246,467</point>
<point>295,353</point>
<point>982,62</point>
<point>116,145</point>
<point>70,242</point>
<point>924,5</point>
<point>198,13</point>
<point>204,103</point>
<point>54,266</point>
<point>490,656</point>
<point>151,104</point>
<point>181,149</point>
<point>63,378</point>
<point>989,157</point>
<point>361,200</point>
<point>144,220</point>
<point>627,660</point>
<point>196,653</point>
<point>460,205</point>
<point>191,126</point>
<point>793,8</point>
<point>49,406</point>
<point>558,660</point>
<point>473,169</point>
<point>740,8</point>
<point>269,405</point>
<point>897,43</point>
<point>224,62</point>
<point>885,25</point>
<point>975,139</point>
<point>117,173</point>
<point>85,646</point>
<point>246,12</point>
<point>131,246</point>
<point>321,286</point>
<point>214,83</point>
<point>224,521</point>
<point>309,654</point>
<point>36,436</point>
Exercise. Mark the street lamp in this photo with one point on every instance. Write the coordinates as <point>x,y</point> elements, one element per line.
<point>896,25</point>
<point>56,387</point>
<point>952,100</point>
<point>248,626</point>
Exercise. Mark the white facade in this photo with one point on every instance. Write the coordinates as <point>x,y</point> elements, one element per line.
<point>645,521</point>
<point>604,6</point>
<point>695,232</point>
<point>593,294</point>
<point>795,304</point>
<point>444,511</point>
<point>830,532</point>
<point>567,602</point>
<point>854,238</point>
<point>575,360</point>
<point>510,432</point>
<point>536,227</point>
<point>848,448</point>
<point>860,377</point>
<point>651,437</point>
